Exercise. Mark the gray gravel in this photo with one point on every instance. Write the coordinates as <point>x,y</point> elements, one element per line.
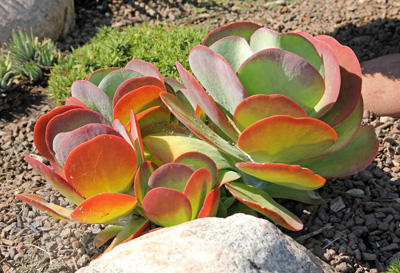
<point>358,231</point>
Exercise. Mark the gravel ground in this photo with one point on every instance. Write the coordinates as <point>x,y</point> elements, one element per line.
<point>357,231</point>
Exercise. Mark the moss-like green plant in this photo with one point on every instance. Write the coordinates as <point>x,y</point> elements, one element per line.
<point>394,266</point>
<point>160,45</point>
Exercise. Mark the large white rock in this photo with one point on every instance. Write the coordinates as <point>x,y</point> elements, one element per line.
<point>47,18</point>
<point>239,243</point>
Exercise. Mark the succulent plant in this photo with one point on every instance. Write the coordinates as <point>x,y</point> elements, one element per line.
<point>7,75</point>
<point>285,108</point>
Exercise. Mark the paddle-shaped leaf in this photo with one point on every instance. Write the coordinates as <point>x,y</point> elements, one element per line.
<point>58,182</point>
<point>144,68</point>
<point>41,204</point>
<point>97,76</point>
<point>171,175</point>
<point>197,189</point>
<point>145,170</point>
<point>104,164</point>
<point>225,176</point>
<point>168,147</point>
<point>210,206</point>
<point>137,139</point>
<point>76,102</point>
<point>104,208</point>
<point>196,125</point>
<point>217,77</point>
<point>353,158</point>
<point>308,197</point>
<point>167,207</point>
<point>106,234</point>
<point>261,202</point>
<point>155,114</point>
<point>292,176</point>
<point>285,139</point>
<point>110,83</point>
<point>198,96</point>
<point>136,83</point>
<point>258,107</point>
<point>93,97</point>
<point>138,101</point>
<point>240,29</point>
<point>284,73</point>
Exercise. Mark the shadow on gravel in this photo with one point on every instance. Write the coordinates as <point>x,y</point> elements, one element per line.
<point>377,38</point>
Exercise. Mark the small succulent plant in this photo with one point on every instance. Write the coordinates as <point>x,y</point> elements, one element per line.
<point>7,75</point>
<point>278,114</point>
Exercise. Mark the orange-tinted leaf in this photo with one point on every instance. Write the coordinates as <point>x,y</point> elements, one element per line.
<point>106,234</point>
<point>167,207</point>
<point>146,169</point>
<point>104,207</point>
<point>104,164</point>
<point>261,106</point>
<point>285,139</point>
<point>144,68</point>
<point>136,138</point>
<point>156,114</point>
<point>171,175</point>
<point>292,176</point>
<point>210,207</point>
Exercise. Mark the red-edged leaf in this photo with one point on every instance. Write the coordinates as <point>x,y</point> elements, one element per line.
<point>173,84</point>
<point>137,138</point>
<point>110,83</point>
<point>39,135</point>
<point>171,175</point>
<point>156,114</point>
<point>285,139</point>
<point>217,77</point>
<point>106,234</point>
<point>145,170</point>
<point>138,101</point>
<point>104,208</point>
<point>70,121</point>
<point>76,102</point>
<point>99,74</point>
<point>104,164</point>
<point>210,206</point>
<point>241,29</point>
<point>93,97</point>
<point>197,188</point>
<point>136,83</point>
<point>41,204</point>
<point>167,207</point>
<point>261,202</point>
<point>225,176</point>
<point>144,68</point>
<point>197,95</point>
<point>194,123</point>
<point>83,134</point>
<point>58,182</point>
<point>134,228</point>
<point>196,160</point>
<point>261,106</point>
<point>292,176</point>
<point>167,128</point>
<point>285,73</point>
<point>353,158</point>
<point>120,128</point>
<point>350,89</point>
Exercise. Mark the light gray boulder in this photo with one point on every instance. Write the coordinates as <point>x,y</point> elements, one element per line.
<point>239,243</point>
<point>47,18</point>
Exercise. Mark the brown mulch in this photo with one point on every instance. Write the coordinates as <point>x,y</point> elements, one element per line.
<point>358,231</point>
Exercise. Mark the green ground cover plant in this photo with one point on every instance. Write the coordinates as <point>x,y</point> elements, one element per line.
<point>160,45</point>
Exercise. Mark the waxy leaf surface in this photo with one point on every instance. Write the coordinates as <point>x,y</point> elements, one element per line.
<point>104,164</point>
<point>292,176</point>
<point>258,107</point>
<point>167,207</point>
<point>210,206</point>
<point>145,170</point>
<point>97,76</point>
<point>136,83</point>
<point>171,175</point>
<point>93,97</point>
<point>217,77</point>
<point>168,147</point>
<point>197,126</point>
<point>137,139</point>
<point>261,202</point>
<point>308,197</point>
<point>197,189</point>
<point>58,182</point>
<point>110,83</point>
<point>198,96</point>
<point>165,128</point>
<point>144,68</point>
<point>284,139</point>
<point>155,114</point>
<point>76,102</point>
<point>104,208</point>
<point>275,71</point>
<point>225,176</point>
<point>41,204</point>
<point>106,234</point>
<point>240,29</point>
<point>138,101</point>
<point>234,49</point>
<point>351,159</point>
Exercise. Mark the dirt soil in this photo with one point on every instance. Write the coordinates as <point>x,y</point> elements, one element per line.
<point>358,230</point>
